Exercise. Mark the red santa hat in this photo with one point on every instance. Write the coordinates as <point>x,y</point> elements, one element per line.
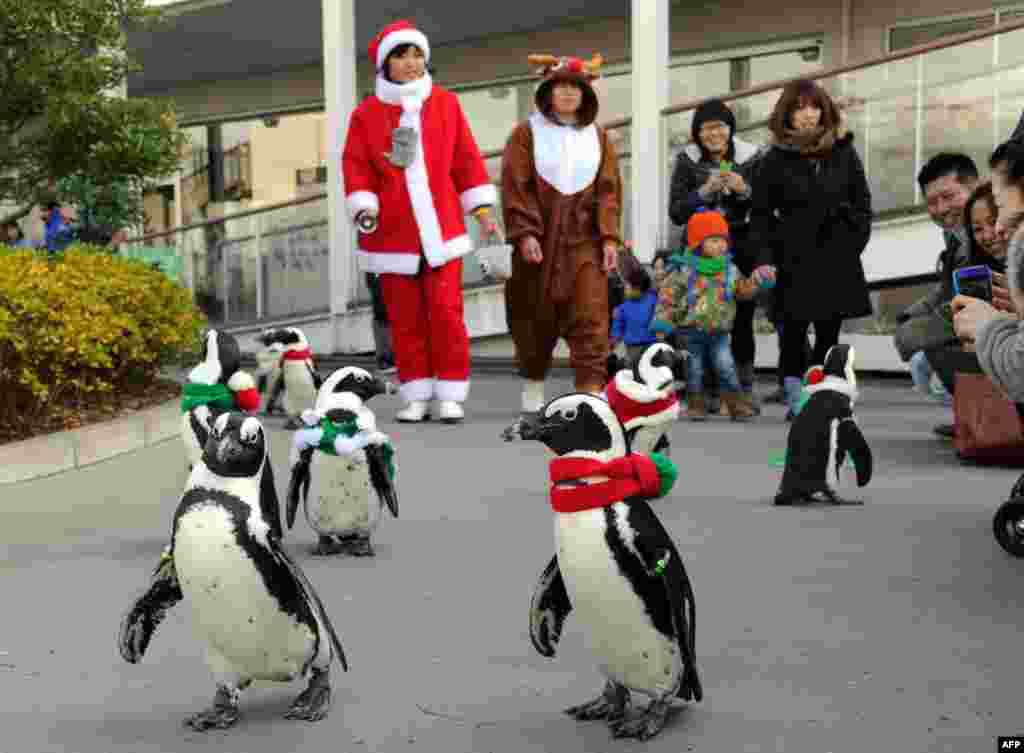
<point>247,397</point>
<point>393,35</point>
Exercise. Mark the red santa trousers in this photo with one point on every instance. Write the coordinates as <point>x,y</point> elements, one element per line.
<point>428,331</point>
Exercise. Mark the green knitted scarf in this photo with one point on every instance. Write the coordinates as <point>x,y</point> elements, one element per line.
<point>349,429</point>
<point>706,265</point>
<point>206,394</point>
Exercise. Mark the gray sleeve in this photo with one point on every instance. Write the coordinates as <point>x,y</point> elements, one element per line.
<point>1000,345</point>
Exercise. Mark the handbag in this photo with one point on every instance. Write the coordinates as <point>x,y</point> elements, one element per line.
<point>987,423</point>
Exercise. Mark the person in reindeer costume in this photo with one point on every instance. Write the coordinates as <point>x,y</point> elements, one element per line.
<point>412,171</point>
<point>562,203</point>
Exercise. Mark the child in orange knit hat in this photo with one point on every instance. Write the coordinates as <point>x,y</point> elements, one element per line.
<point>697,297</point>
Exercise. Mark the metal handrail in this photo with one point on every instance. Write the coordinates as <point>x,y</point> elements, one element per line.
<point>691,104</point>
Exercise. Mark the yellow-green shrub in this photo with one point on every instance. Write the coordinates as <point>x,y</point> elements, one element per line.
<point>82,322</point>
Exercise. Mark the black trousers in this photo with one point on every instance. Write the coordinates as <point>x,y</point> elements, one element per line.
<point>742,341</point>
<point>946,361</point>
<point>794,338</point>
<point>380,312</point>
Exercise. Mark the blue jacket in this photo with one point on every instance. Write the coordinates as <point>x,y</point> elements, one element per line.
<point>632,319</point>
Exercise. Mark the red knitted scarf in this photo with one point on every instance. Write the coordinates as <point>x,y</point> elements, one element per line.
<point>628,476</point>
<point>297,355</point>
<point>626,408</point>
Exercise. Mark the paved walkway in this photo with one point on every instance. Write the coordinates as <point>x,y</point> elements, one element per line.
<point>892,627</point>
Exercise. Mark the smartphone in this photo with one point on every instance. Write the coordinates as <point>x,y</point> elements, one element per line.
<point>973,281</point>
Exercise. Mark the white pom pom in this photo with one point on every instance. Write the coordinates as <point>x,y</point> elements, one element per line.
<point>241,380</point>
<point>310,417</point>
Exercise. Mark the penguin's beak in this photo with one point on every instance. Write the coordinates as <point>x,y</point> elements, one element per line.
<point>536,430</point>
<point>381,387</point>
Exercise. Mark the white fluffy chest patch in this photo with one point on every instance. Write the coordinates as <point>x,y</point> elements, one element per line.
<point>627,647</point>
<point>231,607</point>
<point>300,392</point>
<point>341,499</point>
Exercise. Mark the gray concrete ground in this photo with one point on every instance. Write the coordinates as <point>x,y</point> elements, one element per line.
<point>892,627</point>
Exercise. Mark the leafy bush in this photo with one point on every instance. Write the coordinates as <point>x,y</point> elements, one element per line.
<point>82,322</point>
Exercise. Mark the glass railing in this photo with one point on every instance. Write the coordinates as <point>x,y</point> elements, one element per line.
<point>963,93</point>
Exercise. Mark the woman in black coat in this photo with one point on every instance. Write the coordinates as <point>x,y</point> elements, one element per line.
<point>812,214</point>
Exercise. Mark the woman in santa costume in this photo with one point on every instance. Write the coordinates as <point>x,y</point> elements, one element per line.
<point>412,172</point>
<point>562,203</point>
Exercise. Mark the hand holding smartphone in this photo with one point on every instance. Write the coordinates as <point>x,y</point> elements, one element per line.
<point>975,282</point>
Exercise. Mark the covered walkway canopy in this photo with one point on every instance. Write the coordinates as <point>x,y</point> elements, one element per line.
<point>218,40</point>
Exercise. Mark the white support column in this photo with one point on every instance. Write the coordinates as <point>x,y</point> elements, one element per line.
<point>649,80</point>
<point>339,17</point>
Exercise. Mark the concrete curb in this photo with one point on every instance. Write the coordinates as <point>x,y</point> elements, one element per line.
<point>78,448</point>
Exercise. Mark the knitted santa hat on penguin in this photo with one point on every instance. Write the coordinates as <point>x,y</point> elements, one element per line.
<point>580,72</point>
<point>393,35</point>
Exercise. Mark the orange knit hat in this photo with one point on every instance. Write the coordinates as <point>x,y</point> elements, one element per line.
<point>704,225</point>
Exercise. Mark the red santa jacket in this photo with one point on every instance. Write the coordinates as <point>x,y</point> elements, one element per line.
<point>423,205</point>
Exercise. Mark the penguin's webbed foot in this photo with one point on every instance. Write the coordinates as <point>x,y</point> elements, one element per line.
<point>221,715</point>
<point>648,724</point>
<point>313,703</point>
<point>359,547</point>
<point>327,546</point>
<point>610,705</point>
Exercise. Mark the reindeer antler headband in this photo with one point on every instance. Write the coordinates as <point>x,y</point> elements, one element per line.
<point>550,65</point>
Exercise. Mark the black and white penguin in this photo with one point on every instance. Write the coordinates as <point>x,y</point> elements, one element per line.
<point>644,399</point>
<point>299,378</point>
<point>215,386</point>
<point>348,464</point>
<point>259,614</point>
<point>616,566</point>
<point>823,433</point>
<point>268,369</point>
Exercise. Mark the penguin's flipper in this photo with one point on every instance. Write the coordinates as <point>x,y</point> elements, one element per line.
<point>270,508</point>
<point>377,463</point>
<point>314,600</point>
<point>261,384</point>
<point>148,611</point>
<point>668,566</point>
<point>851,441</point>
<point>318,381</point>
<point>298,485</point>
<point>549,607</point>
<point>275,394</point>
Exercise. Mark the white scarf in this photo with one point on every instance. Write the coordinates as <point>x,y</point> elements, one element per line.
<point>410,95</point>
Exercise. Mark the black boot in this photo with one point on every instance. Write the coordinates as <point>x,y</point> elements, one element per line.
<point>745,371</point>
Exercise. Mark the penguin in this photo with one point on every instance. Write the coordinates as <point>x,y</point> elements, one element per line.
<point>299,378</point>
<point>257,611</point>
<point>615,565</point>
<point>216,385</point>
<point>349,459</point>
<point>823,433</point>
<point>268,372</point>
<point>644,398</point>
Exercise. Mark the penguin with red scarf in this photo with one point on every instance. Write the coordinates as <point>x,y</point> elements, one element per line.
<point>644,398</point>
<point>299,378</point>
<point>216,385</point>
<point>616,566</point>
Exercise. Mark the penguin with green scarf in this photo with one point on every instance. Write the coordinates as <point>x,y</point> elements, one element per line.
<point>342,467</point>
<point>216,385</point>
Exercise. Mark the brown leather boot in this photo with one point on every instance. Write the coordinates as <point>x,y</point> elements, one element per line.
<point>739,405</point>
<point>695,406</point>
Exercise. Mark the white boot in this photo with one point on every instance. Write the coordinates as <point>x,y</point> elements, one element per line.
<point>533,396</point>
<point>449,411</point>
<point>414,412</point>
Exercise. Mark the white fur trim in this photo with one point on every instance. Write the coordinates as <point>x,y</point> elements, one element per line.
<point>478,196</point>
<point>241,380</point>
<point>637,392</point>
<point>407,262</point>
<point>417,389</point>
<point>835,384</point>
<point>400,37</point>
<point>410,95</point>
<point>361,201</point>
<point>744,151</point>
<point>451,390</point>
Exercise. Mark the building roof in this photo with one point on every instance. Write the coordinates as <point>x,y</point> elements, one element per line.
<point>210,40</point>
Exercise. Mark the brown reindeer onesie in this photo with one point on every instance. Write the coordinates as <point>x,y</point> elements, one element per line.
<point>561,184</point>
